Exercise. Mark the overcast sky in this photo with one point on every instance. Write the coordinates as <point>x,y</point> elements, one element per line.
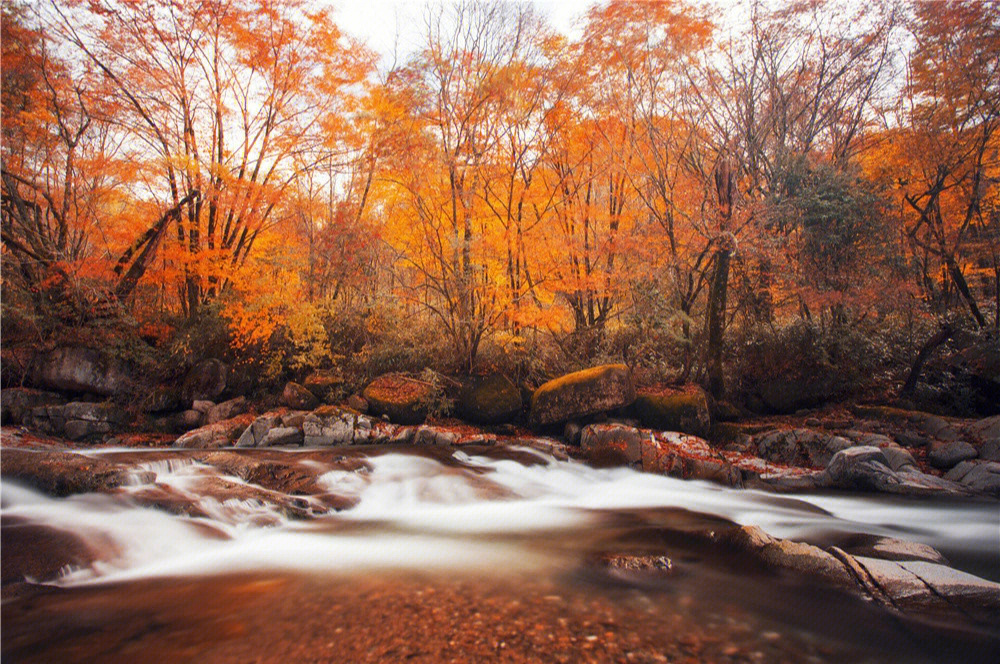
<point>377,22</point>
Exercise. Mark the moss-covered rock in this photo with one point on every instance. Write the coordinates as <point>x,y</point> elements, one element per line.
<point>297,397</point>
<point>402,399</point>
<point>684,410</point>
<point>327,386</point>
<point>582,393</point>
<point>491,399</point>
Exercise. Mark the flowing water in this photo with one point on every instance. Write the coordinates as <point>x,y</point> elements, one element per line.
<point>429,537</point>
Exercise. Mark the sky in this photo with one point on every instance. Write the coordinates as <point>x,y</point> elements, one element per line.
<point>377,22</point>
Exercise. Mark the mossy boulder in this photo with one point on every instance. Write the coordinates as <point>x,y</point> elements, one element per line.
<point>491,399</point>
<point>402,399</point>
<point>327,386</point>
<point>582,393</point>
<point>685,411</point>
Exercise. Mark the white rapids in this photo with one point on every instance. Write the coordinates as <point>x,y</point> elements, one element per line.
<point>416,513</point>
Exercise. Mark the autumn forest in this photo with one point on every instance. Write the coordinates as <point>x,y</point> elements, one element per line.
<point>671,333</point>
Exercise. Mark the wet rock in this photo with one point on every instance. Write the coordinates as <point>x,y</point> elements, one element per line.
<point>946,455</point>
<point>627,566</point>
<point>332,425</point>
<point>788,555</point>
<point>297,397</point>
<point>490,399</point>
<point>402,399</point>
<point>934,590</point>
<point>38,552</point>
<point>77,369</point>
<point>215,435</point>
<point>227,410</point>
<point>326,386</point>
<point>982,477</point>
<point>17,402</point>
<point>611,444</point>
<point>206,380</point>
<point>800,446</point>
<point>582,393</point>
<point>683,411</point>
<point>897,457</point>
<point>890,548</point>
<point>62,474</point>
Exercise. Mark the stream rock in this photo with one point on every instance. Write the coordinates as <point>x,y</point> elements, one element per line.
<point>490,399</point>
<point>866,468</point>
<point>933,590</point>
<point>682,411</point>
<point>226,410</point>
<point>577,395</point>
<point>76,420</point>
<point>948,454</point>
<point>612,444</point>
<point>978,476</point>
<point>402,399</point>
<point>78,369</point>
<point>332,425</point>
<point>218,434</point>
<point>17,402</point>
<point>800,447</point>
<point>62,474</point>
<point>326,386</point>
<point>298,397</point>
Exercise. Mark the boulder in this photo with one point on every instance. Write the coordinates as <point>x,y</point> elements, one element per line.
<point>358,403</point>
<point>582,393</point>
<point>256,432</point>
<point>282,436</point>
<point>490,399</point>
<point>611,444</point>
<point>979,476</point>
<point>203,406</point>
<point>332,425</point>
<point>683,411</point>
<point>934,590</point>
<point>78,369</point>
<point>17,402</point>
<point>297,397</point>
<point>206,380</point>
<point>687,457</point>
<point>425,435</point>
<point>226,410</point>
<point>948,454</point>
<point>188,419</point>
<point>862,468</point>
<point>403,400</point>
<point>76,420</point>
<point>800,447</point>
<point>215,435</point>
<point>326,386</point>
